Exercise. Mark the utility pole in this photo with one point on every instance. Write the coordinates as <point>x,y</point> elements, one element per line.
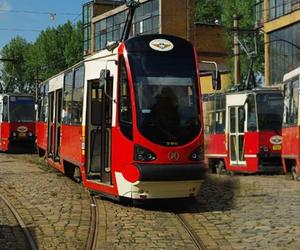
<point>37,82</point>
<point>236,50</point>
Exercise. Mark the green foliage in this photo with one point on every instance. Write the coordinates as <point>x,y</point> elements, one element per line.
<point>54,50</point>
<point>208,11</point>
<point>13,74</point>
<point>224,10</point>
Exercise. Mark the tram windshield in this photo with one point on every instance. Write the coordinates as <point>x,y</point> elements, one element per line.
<point>21,109</point>
<point>166,98</point>
<point>269,111</point>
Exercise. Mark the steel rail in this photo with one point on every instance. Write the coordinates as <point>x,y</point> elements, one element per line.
<point>26,232</point>
<point>195,238</point>
<point>92,237</point>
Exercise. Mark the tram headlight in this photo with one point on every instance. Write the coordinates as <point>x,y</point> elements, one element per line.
<point>143,154</point>
<point>30,134</point>
<point>197,154</point>
<point>264,149</point>
<point>14,134</point>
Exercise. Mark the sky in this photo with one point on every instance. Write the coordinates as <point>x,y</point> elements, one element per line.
<point>26,18</point>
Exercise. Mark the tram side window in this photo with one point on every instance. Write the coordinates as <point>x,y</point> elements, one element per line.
<point>67,98</point>
<point>42,104</point>
<point>5,109</point>
<point>125,111</point>
<point>1,111</point>
<point>214,114</point>
<point>291,100</point>
<point>220,114</point>
<point>251,116</point>
<point>77,100</point>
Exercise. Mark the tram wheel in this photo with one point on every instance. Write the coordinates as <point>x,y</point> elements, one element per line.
<point>220,169</point>
<point>77,174</point>
<point>295,174</point>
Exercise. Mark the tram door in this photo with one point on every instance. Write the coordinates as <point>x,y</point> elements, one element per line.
<point>98,131</point>
<point>54,124</point>
<point>236,135</point>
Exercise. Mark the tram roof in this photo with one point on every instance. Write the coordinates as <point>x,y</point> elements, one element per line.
<point>101,54</point>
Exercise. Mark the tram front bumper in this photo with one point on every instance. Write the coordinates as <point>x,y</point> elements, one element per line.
<point>172,172</point>
<point>163,181</point>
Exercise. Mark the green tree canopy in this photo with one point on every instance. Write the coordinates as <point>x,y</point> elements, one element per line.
<point>207,11</point>
<point>54,50</point>
<point>13,73</point>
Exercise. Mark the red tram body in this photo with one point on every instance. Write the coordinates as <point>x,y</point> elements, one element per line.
<point>291,124</point>
<point>17,122</point>
<point>243,131</point>
<point>128,122</point>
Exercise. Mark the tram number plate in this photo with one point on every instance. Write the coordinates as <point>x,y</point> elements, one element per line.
<point>21,134</point>
<point>276,147</point>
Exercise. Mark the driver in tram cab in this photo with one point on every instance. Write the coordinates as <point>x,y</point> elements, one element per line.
<point>165,110</point>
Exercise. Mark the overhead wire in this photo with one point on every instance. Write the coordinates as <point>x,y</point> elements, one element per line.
<point>38,12</point>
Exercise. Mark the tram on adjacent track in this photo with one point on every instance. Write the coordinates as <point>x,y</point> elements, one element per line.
<point>17,122</point>
<point>291,121</point>
<point>128,122</point>
<point>243,131</point>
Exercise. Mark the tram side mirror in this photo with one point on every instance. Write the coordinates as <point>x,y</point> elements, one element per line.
<point>216,81</point>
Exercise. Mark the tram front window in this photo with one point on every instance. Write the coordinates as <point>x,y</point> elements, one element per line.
<point>21,109</point>
<point>166,98</point>
<point>269,111</point>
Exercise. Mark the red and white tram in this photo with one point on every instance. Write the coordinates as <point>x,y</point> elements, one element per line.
<point>17,122</point>
<point>291,122</point>
<point>128,122</point>
<point>243,131</point>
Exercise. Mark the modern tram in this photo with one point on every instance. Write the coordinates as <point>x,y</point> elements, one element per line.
<point>17,122</point>
<point>128,121</point>
<point>243,131</point>
<point>291,121</point>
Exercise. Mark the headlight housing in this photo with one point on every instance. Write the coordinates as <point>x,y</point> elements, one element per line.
<point>197,154</point>
<point>143,154</point>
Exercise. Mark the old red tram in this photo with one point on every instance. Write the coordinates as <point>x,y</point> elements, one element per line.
<point>17,122</point>
<point>128,121</point>
<point>243,131</point>
<point>290,129</point>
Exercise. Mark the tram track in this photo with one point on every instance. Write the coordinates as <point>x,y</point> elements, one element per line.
<point>92,237</point>
<point>21,223</point>
<point>189,229</point>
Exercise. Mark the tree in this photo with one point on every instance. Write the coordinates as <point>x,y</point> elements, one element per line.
<point>208,11</point>
<point>54,50</point>
<point>13,73</point>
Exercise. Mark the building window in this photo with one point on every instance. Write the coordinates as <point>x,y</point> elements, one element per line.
<point>278,8</point>
<point>284,52</point>
<point>87,20</point>
<point>145,21</point>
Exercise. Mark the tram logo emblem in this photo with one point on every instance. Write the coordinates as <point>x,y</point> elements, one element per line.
<point>276,140</point>
<point>161,45</point>
<point>22,129</point>
<point>173,156</point>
